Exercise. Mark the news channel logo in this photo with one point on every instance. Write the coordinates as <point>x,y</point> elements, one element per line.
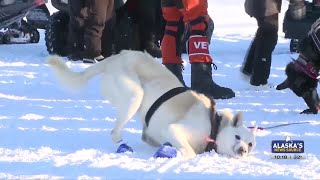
<point>287,149</point>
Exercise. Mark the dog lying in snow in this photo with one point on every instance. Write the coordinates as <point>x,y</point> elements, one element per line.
<point>135,83</point>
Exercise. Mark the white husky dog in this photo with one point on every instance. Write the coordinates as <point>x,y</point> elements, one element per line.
<point>132,81</point>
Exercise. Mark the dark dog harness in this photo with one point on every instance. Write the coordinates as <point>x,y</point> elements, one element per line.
<point>215,119</point>
<point>166,96</point>
<point>306,67</point>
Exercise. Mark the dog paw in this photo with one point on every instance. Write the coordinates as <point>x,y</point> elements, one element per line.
<point>309,111</point>
<point>116,136</point>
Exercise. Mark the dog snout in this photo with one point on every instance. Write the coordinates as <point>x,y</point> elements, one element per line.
<point>242,151</point>
<point>283,85</point>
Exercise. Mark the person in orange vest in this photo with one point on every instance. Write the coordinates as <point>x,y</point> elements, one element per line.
<point>193,12</point>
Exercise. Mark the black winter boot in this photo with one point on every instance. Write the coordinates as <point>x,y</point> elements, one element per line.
<point>147,14</point>
<point>176,69</point>
<point>201,81</point>
<point>75,53</point>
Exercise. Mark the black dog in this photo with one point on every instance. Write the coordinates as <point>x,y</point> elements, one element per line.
<point>303,73</point>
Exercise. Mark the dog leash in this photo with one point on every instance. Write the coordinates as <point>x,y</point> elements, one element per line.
<point>280,125</point>
<point>210,140</point>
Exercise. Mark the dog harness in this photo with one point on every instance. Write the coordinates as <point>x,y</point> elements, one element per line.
<point>215,119</point>
<point>166,96</point>
<point>306,67</point>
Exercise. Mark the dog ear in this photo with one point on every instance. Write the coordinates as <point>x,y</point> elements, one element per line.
<point>283,85</point>
<point>237,120</point>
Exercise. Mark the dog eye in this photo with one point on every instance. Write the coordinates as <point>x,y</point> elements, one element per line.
<point>250,144</point>
<point>237,137</point>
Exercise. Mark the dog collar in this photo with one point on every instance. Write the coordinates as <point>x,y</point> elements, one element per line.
<point>166,96</point>
<point>215,121</point>
<point>306,67</point>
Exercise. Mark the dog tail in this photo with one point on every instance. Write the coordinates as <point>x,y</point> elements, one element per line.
<point>72,80</point>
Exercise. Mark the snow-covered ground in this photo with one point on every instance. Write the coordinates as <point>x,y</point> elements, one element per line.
<point>47,132</point>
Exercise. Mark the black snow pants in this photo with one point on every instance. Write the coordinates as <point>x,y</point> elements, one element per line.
<point>257,62</point>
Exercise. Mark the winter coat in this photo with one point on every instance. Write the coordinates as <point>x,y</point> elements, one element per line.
<point>119,3</point>
<point>262,8</point>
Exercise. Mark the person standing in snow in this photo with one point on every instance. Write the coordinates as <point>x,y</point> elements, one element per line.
<point>194,13</point>
<point>87,23</point>
<point>78,14</point>
<point>257,62</point>
<point>146,14</point>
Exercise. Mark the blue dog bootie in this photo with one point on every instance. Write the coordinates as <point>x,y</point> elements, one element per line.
<point>166,151</point>
<point>124,148</point>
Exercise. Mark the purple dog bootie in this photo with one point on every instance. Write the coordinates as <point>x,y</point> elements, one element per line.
<point>166,151</point>
<point>124,148</point>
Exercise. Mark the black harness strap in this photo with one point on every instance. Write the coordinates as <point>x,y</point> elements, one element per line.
<point>176,24</point>
<point>173,23</point>
<point>215,121</point>
<point>171,33</point>
<point>166,96</point>
<point>199,20</point>
<point>176,34</point>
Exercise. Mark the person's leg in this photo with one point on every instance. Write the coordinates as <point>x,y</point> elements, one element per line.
<point>194,12</point>
<point>248,59</point>
<point>108,32</point>
<point>171,55</point>
<point>77,14</point>
<point>266,41</point>
<point>107,38</point>
<point>94,26</point>
<point>146,16</point>
<point>161,22</point>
